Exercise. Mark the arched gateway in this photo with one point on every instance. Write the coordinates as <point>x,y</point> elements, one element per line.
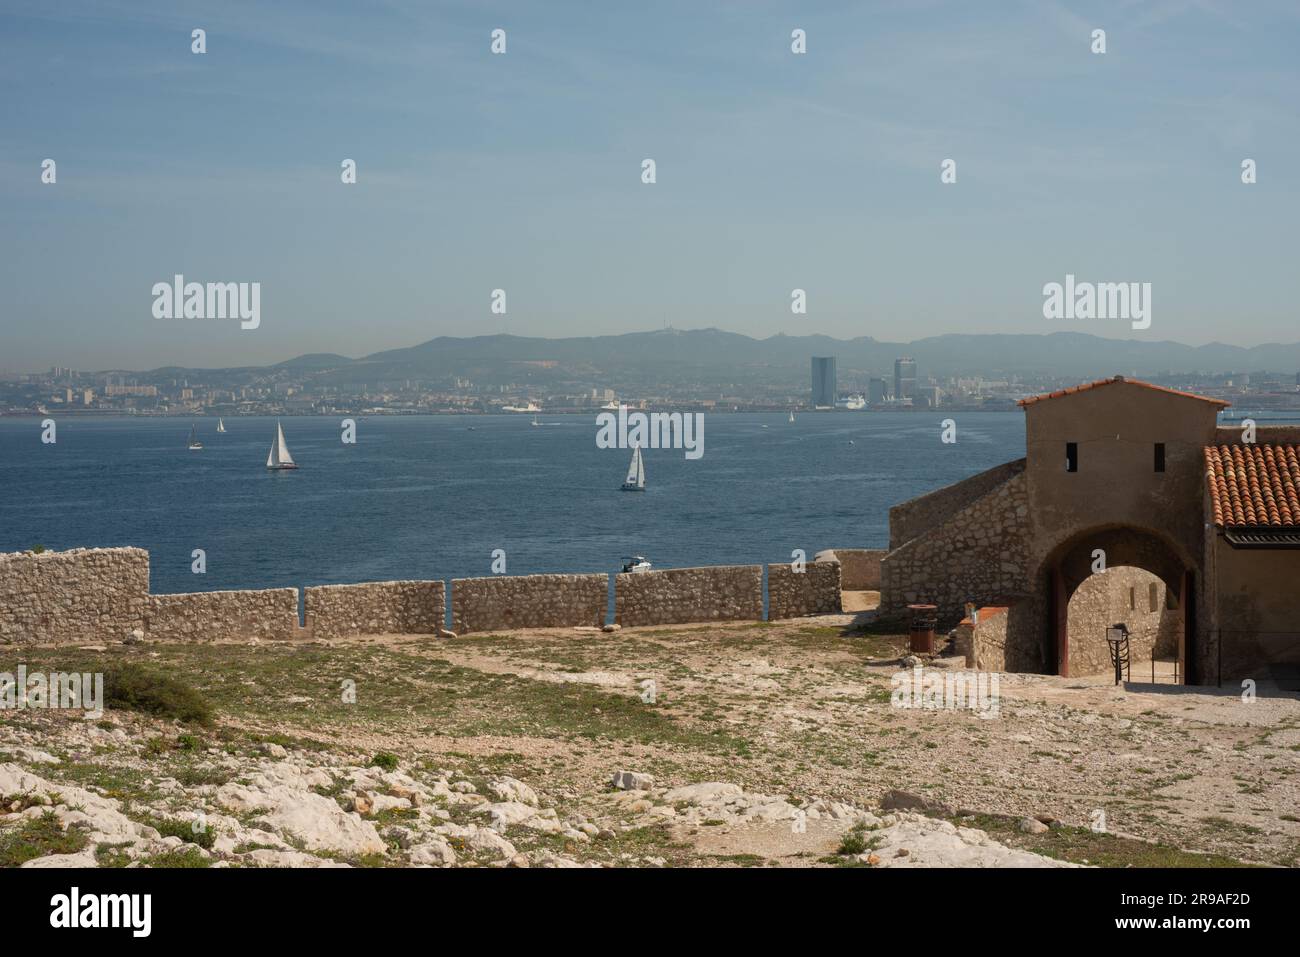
<point>1138,479</point>
<point>1111,551</point>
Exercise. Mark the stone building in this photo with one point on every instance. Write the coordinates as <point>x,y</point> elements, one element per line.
<point>1132,504</point>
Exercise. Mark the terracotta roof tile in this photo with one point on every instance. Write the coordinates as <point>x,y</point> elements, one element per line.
<point>1119,378</point>
<point>1255,485</point>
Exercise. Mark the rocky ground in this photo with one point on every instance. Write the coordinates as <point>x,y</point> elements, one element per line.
<point>733,745</point>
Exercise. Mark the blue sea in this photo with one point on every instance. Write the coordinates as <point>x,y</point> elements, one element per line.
<point>434,496</point>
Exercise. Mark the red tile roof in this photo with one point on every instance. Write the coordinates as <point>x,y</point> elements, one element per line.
<point>1254,485</point>
<point>1119,378</point>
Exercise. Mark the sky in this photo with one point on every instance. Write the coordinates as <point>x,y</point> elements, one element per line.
<point>523,171</point>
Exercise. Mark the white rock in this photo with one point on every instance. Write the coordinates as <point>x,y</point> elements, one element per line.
<point>265,857</point>
<point>83,858</point>
<point>510,789</point>
<point>710,792</point>
<point>777,810</point>
<point>435,853</point>
<point>35,756</point>
<point>507,813</point>
<point>315,820</point>
<point>386,802</point>
<point>98,816</point>
<point>632,781</point>
<point>487,841</point>
<point>933,843</point>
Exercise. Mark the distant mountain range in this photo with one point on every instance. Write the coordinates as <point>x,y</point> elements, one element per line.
<point>723,356</point>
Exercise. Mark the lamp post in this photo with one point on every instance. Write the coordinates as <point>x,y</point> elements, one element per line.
<point>1117,638</point>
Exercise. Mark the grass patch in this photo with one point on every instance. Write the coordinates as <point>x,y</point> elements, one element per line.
<point>39,837</point>
<point>204,837</point>
<point>186,857</point>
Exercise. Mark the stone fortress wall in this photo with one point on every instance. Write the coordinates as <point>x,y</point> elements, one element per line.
<point>78,595</point>
<point>859,567</point>
<point>814,591</point>
<point>270,614</point>
<point>979,538</point>
<point>528,601</point>
<point>375,608</point>
<point>683,595</point>
<point>102,594</point>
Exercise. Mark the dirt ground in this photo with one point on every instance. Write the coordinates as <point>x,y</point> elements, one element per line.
<point>798,713</point>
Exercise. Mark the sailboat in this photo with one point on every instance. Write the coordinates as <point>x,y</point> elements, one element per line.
<point>635,481</point>
<point>195,444</point>
<point>221,426</point>
<point>279,458</point>
<point>792,415</point>
<point>535,422</point>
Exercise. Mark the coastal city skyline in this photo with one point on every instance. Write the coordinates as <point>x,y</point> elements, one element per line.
<point>705,369</point>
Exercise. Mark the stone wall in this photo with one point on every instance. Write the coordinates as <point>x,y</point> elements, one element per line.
<point>917,516</point>
<point>684,595</point>
<point>376,608</point>
<point>978,554</point>
<point>859,567</point>
<point>1106,599</point>
<point>103,595</point>
<point>86,594</point>
<point>814,591</point>
<point>270,614</point>
<point>528,601</point>
<point>988,639</point>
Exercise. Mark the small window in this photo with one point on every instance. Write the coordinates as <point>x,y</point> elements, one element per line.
<point>1132,599</point>
<point>1153,596</point>
<point>1160,456</point>
<point>1072,456</point>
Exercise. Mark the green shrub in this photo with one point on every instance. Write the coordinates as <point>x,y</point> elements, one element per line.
<point>135,688</point>
<point>385,760</point>
<point>854,841</point>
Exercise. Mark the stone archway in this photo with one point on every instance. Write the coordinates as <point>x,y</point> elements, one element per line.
<point>1073,562</point>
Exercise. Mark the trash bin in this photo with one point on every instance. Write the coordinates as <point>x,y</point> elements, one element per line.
<point>924,619</point>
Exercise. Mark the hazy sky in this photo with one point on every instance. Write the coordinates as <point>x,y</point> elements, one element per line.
<point>523,171</point>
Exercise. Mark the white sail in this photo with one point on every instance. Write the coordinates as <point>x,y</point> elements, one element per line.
<point>221,425</point>
<point>279,456</point>
<point>284,457</point>
<point>635,471</point>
